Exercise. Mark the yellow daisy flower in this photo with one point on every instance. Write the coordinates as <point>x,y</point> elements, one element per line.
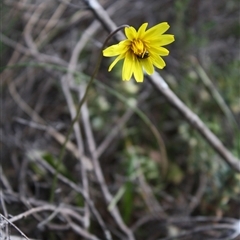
<point>142,50</point>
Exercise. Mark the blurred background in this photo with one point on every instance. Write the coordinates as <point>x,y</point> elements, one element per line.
<point>51,48</point>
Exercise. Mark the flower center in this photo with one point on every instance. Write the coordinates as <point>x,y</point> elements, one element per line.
<point>139,49</point>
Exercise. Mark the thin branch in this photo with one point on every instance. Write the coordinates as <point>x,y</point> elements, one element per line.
<point>195,122</point>
<point>196,199</point>
<point>99,174</point>
<point>76,188</point>
<point>9,221</point>
<point>118,126</point>
<point>207,228</point>
<point>30,52</point>
<point>50,130</point>
<point>76,228</point>
<point>214,92</point>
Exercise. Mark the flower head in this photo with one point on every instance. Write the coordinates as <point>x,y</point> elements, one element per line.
<point>142,50</point>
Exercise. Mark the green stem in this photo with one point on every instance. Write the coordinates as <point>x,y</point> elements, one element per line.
<point>63,149</point>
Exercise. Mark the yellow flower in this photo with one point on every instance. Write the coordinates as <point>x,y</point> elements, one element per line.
<point>142,50</point>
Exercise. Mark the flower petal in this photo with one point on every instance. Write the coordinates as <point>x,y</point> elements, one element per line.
<point>130,33</point>
<point>142,30</point>
<point>115,61</point>
<point>116,49</point>
<point>157,61</point>
<point>138,71</point>
<point>166,39</point>
<point>156,31</point>
<point>158,50</point>
<point>148,66</point>
<point>127,69</point>
<point>163,40</point>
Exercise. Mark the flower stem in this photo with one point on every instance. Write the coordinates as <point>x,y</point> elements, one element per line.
<point>78,113</point>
